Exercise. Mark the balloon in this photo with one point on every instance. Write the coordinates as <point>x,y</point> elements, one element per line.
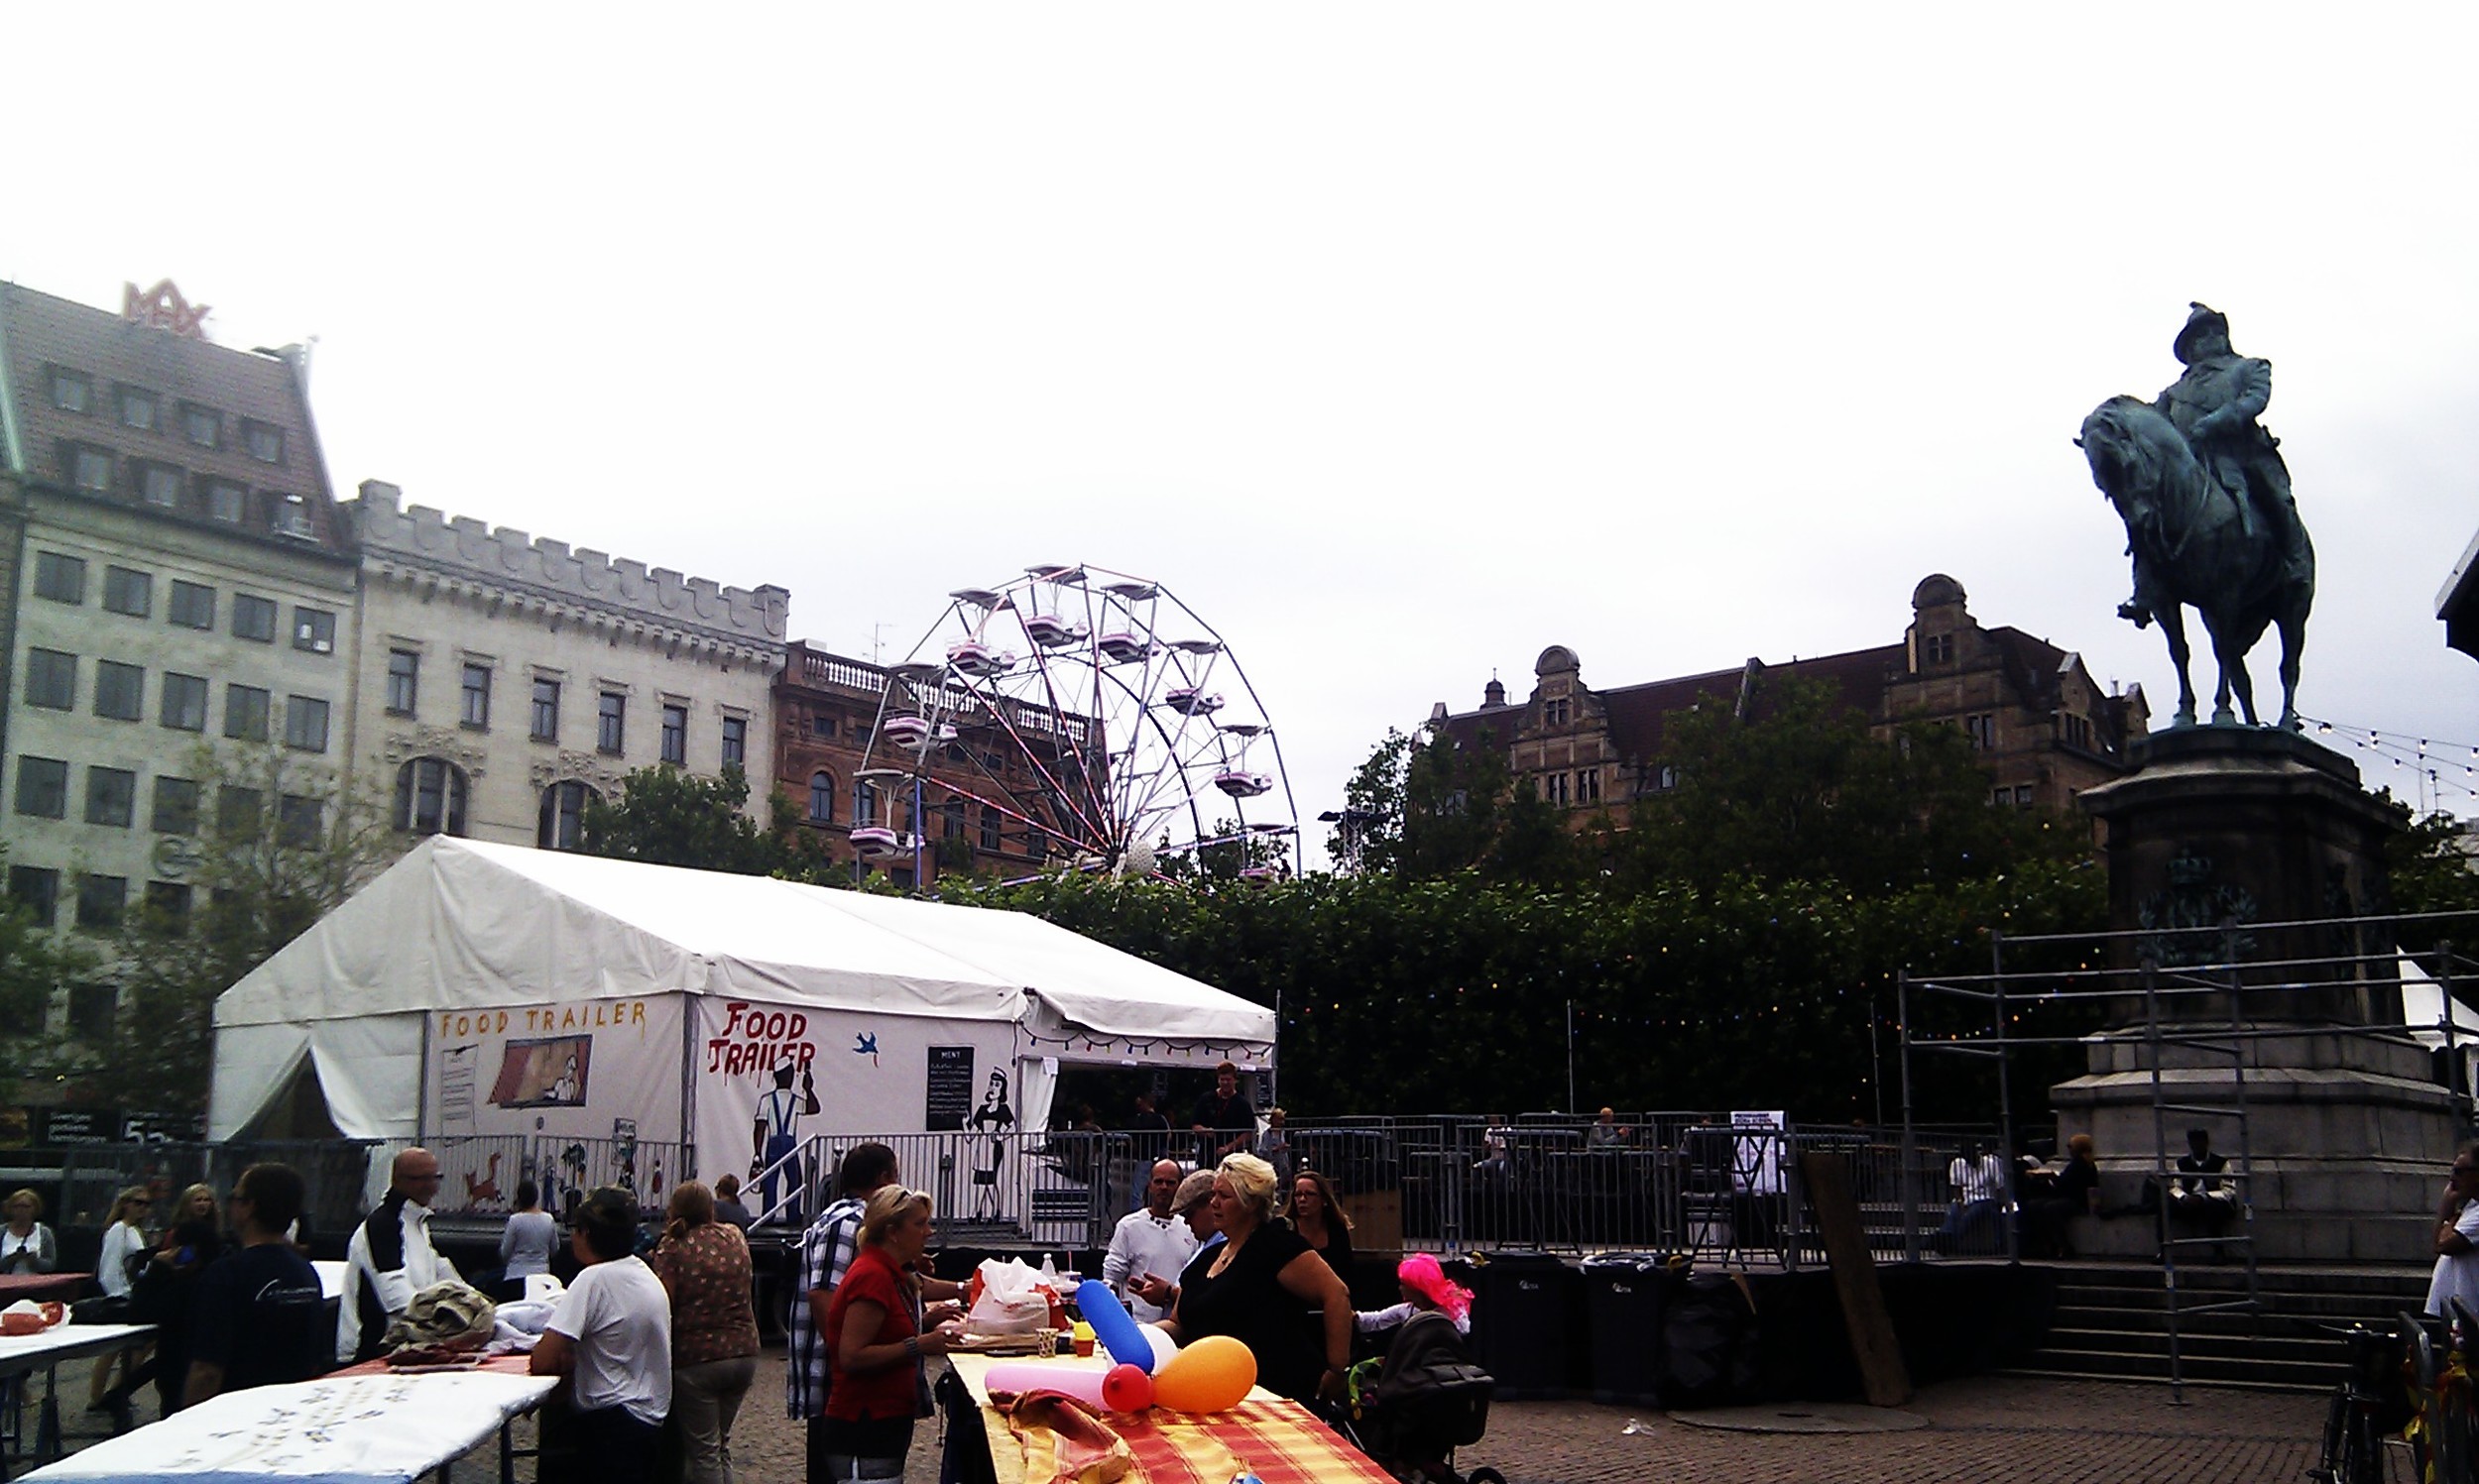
<point>1164,1348</point>
<point>1083,1382</point>
<point>1126,1389</point>
<point>1112,1325</point>
<point>1212,1374</point>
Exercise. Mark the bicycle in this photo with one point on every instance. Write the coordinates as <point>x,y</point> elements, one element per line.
<point>2369,1404</point>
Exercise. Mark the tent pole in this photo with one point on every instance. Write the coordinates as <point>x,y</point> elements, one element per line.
<point>688,1087</point>
<point>421,1085</point>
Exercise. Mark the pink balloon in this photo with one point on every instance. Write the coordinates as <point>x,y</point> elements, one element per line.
<point>1127,1388</point>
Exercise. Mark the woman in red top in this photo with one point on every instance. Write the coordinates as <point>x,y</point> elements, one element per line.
<point>875,1341</point>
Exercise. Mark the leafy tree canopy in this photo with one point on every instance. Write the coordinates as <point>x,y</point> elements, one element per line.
<point>668,817</point>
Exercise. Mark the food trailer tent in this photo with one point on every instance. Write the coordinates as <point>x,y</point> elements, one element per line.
<point>586,1020</point>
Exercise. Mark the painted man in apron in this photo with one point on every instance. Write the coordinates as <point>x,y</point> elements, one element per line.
<point>772,1136</point>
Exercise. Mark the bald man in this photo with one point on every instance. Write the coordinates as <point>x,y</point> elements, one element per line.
<point>1148,1242</point>
<point>390,1258</point>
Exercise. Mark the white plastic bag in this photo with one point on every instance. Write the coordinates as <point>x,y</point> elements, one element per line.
<point>1012,1300</point>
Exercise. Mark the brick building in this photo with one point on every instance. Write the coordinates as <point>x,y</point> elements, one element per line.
<point>2045,728</point>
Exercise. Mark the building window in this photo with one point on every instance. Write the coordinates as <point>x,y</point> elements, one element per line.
<point>204,427</point>
<point>288,515</point>
<point>111,796</point>
<point>404,681</point>
<point>562,824</point>
<point>951,819</point>
<point>42,787</point>
<point>477,697</point>
<point>2079,732</point>
<point>306,723</point>
<point>184,705</point>
<point>63,579</point>
<point>167,906</point>
<point>93,1007</point>
<point>192,604</point>
<point>430,797</point>
<point>545,710</point>
<point>2022,796</point>
<point>821,726</point>
<point>176,807</point>
<point>821,798</point>
<point>676,733</point>
<point>159,484</point>
<point>128,591</point>
<point>264,441</point>
<point>101,900</point>
<point>36,888</point>
<point>237,810</point>
<point>299,820</point>
<point>991,823</point>
<point>610,720</point>
<point>1588,787</point>
<point>51,679</point>
<point>138,408</point>
<point>254,617</point>
<point>1983,731</point>
<point>315,630</point>
<point>735,740</point>
<point>120,691</point>
<point>1936,649</point>
<point>72,392</point>
<point>1666,779</point>
<point>864,804</point>
<point>1554,713</point>
<point>90,469</point>
<point>226,500</point>
<point>244,713</point>
<point>1554,788</point>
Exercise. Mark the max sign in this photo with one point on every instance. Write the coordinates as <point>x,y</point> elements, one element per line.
<point>757,1039</point>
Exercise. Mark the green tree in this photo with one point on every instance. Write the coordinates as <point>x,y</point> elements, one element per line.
<point>281,842</point>
<point>668,817</point>
<point>35,965</point>
<point>1805,792</point>
<point>1425,809</point>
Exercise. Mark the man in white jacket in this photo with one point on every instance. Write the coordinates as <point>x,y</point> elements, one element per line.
<point>390,1258</point>
<point>1148,1241</point>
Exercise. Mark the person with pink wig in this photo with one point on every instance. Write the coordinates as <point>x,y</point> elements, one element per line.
<point>1425,1288</point>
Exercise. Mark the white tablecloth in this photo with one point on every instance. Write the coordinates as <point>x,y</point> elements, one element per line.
<point>350,1430</point>
<point>32,1352</point>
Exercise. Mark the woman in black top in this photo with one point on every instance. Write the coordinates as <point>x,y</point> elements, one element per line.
<point>1262,1285</point>
<point>1321,1222</point>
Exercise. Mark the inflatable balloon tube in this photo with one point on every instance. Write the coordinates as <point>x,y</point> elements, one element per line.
<point>1112,1325</point>
<point>1116,1388</point>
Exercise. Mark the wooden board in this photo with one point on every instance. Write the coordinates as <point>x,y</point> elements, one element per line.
<point>1864,1315</point>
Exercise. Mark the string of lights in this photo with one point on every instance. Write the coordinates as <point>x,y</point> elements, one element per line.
<point>2441,767</point>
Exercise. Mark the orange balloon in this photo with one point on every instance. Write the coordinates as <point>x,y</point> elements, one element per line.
<point>1212,1374</point>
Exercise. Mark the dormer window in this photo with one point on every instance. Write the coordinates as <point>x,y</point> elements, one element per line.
<point>72,392</point>
<point>264,441</point>
<point>159,484</point>
<point>137,408</point>
<point>225,500</point>
<point>290,515</point>
<point>1554,713</point>
<point>1936,649</point>
<point>90,469</point>
<point>204,427</point>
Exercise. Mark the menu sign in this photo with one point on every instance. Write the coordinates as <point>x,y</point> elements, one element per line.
<point>79,1126</point>
<point>950,1094</point>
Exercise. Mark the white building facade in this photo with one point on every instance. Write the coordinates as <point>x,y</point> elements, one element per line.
<point>503,682</point>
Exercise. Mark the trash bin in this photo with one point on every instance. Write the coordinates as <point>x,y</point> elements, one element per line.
<point>1527,1324</point>
<point>1709,1344</point>
<point>1626,1301</point>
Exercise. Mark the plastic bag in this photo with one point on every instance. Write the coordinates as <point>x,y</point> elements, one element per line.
<point>1012,1300</point>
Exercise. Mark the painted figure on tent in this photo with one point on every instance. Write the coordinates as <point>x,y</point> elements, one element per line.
<point>994,1117</point>
<point>775,1135</point>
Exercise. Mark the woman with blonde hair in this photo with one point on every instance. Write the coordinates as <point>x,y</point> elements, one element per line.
<point>875,1340</point>
<point>1261,1284</point>
<point>26,1244</point>
<point>115,1269</point>
<point>704,1266</point>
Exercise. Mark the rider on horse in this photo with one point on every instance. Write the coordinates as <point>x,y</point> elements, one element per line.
<point>2214,405</point>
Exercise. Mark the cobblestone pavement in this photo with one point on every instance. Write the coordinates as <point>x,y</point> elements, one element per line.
<point>1992,1428</point>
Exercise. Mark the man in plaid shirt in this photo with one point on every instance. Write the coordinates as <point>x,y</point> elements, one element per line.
<point>826,1250</point>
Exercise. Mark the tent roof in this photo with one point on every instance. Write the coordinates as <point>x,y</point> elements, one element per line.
<point>458,924</point>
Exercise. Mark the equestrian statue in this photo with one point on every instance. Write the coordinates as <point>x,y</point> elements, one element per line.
<point>2210,518</point>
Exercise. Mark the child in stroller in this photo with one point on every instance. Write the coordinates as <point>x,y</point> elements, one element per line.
<point>1410,1410</point>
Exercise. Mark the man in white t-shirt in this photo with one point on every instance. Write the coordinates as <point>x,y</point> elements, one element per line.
<point>612,1336</point>
<point>2457,1238</point>
<point>1152,1240</point>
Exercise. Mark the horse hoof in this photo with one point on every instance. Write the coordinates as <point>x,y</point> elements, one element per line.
<point>2224,717</point>
<point>2289,722</point>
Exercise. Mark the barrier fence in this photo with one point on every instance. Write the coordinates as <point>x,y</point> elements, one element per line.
<point>1728,1194</point>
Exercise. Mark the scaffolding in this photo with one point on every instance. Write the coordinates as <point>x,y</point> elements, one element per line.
<point>2202,994</point>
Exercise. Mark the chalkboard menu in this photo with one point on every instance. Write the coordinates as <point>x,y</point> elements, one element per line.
<point>950,1087</point>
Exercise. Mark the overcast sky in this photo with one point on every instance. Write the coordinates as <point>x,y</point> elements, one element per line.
<point>1399,342</point>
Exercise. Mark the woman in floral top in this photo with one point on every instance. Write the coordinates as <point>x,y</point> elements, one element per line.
<point>704,1266</point>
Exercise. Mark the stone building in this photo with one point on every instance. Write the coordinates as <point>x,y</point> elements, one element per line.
<point>178,577</point>
<point>504,681</point>
<point>982,798</point>
<point>2047,730</point>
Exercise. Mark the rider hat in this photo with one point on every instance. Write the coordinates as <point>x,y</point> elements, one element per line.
<point>2199,317</point>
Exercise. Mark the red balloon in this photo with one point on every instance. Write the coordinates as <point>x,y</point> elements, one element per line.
<point>1127,1388</point>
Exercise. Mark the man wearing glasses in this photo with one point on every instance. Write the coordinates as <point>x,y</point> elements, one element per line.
<point>2458,1230</point>
<point>390,1258</point>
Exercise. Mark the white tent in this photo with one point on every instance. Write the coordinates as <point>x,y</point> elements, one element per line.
<point>482,992</point>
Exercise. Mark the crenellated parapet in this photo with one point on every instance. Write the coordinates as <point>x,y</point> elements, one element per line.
<point>460,558</point>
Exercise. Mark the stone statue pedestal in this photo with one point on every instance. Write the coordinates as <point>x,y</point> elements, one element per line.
<point>2349,1129</point>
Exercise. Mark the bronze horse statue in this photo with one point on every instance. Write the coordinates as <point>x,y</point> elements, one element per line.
<point>2195,545</point>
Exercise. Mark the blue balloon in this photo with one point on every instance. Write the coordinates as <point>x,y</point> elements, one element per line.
<point>1113,1327</point>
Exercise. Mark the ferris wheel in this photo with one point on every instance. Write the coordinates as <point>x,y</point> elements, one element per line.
<point>1082,718</point>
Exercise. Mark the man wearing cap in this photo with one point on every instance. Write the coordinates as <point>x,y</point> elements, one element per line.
<point>2214,403</point>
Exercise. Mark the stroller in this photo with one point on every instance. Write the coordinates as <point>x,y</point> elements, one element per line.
<point>1411,1411</point>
